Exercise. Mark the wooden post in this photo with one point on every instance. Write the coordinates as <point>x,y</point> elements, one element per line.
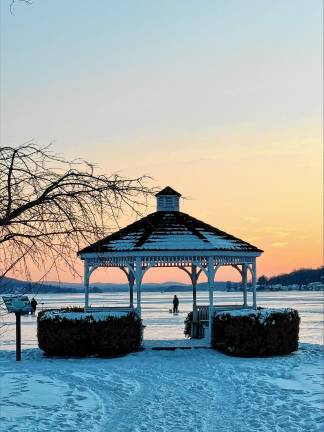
<point>194,326</point>
<point>131,281</point>
<point>18,336</point>
<point>86,284</point>
<point>244,283</point>
<point>138,279</point>
<point>194,285</point>
<point>254,281</point>
<point>211,275</point>
<point>193,274</point>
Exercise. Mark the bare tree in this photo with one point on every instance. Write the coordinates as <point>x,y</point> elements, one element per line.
<point>13,2</point>
<point>51,207</point>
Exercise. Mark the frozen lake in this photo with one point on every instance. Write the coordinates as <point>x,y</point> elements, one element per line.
<point>161,325</point>
<point>199,390</point>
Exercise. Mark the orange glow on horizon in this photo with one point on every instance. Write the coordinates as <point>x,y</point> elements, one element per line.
<point>268,195</point>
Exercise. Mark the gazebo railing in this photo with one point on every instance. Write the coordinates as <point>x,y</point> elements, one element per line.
<point>200,317</point>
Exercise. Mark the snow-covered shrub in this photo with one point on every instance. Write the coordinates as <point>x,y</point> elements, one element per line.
<point>78,333</point>
<point>188,323</point>
<point>188,327</point>
<point>261,332</point>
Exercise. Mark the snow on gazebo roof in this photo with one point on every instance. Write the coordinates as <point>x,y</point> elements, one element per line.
<point>169,230</point>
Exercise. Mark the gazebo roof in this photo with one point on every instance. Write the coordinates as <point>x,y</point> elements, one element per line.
<point>169,231</point>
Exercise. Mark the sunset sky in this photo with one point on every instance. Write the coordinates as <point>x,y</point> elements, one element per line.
<point>222,100</point>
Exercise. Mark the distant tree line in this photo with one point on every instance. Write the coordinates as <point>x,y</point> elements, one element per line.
<point>299,277</point>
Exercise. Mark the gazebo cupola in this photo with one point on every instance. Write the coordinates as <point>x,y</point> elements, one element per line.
<point>167,200</point>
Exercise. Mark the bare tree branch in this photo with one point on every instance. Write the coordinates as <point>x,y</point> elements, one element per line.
<point>51,207</point>
<point>13,2</point>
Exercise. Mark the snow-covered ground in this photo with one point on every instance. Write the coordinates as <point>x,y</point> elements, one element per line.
<point>181,390</point>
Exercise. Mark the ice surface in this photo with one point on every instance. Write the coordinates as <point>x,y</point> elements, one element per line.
<point>162,325</point>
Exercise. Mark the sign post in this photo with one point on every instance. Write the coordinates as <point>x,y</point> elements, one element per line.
<point>19,305</point>
<point>18,336</point>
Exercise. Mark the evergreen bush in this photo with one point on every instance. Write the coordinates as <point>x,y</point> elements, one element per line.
<point>261,332</point>
<point>188,325</point>
<point>70,332</point>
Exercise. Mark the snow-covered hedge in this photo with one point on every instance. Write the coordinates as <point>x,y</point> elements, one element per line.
<point>188,325</point>
<point>261,332</point>
<point>68,332</point>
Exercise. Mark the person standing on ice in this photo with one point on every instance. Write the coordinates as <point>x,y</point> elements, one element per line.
<point>175,304</point>
<point>33,304</point>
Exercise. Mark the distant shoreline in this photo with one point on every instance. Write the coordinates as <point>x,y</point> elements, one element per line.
<point>148,290</point>
<point>302,280</point>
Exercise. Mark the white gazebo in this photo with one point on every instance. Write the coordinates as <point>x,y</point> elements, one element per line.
<point>170,238</point>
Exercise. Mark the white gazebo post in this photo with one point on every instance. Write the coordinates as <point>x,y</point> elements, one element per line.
<point>194,275</point>
<point>138,280</point>
<point>254,282</point>
<point>244,283</point>
<point>129,272</point>
<point>86,284</point>
<point>194,278</point>
<point>211,275</point>
<point>131,280</point>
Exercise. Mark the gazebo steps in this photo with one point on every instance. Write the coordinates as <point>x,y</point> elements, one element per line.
<point>172,345</point>
<point>177,347</point>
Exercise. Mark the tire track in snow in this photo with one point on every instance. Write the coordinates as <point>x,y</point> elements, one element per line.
<point>170,405</point>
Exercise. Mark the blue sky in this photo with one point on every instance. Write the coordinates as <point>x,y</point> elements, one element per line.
<point>222,100</point>
<point>140,68</point>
